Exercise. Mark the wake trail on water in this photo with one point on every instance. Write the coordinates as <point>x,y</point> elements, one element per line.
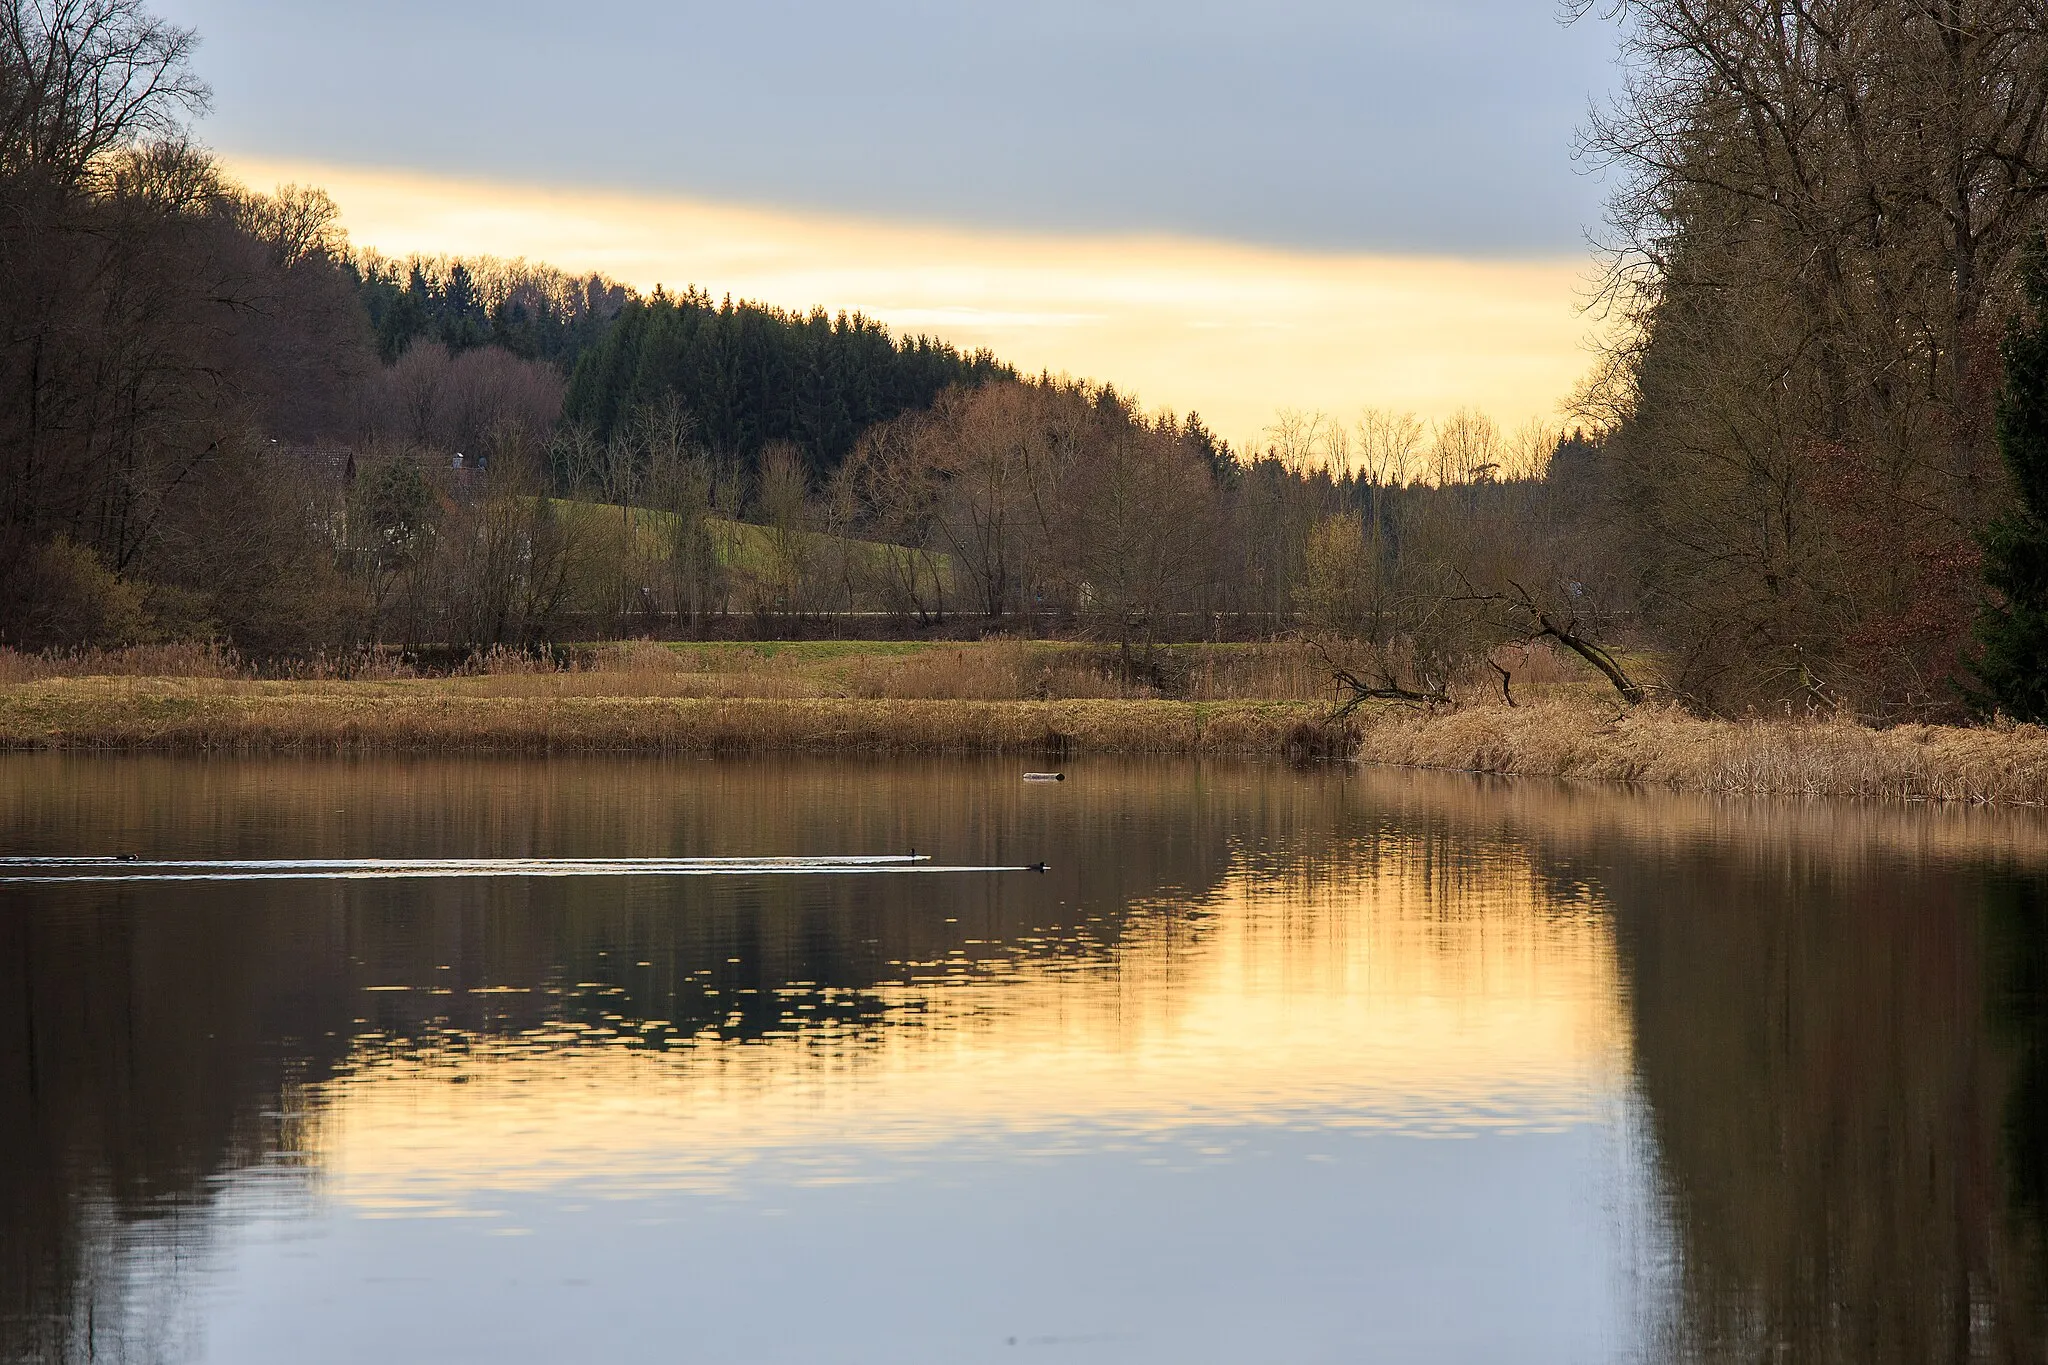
<point>113,869</point>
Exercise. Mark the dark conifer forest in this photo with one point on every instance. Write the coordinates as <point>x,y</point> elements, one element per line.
<point>534,312</point>
<point>749,375</point>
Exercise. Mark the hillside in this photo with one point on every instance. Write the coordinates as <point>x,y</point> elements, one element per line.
<point>747,373</point>
<point>766,568</point>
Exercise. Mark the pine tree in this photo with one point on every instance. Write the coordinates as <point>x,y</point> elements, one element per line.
<point>2013,630</point>
<point>751,374</point>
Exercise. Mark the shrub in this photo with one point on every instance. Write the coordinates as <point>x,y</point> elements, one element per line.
<point>63,597</point>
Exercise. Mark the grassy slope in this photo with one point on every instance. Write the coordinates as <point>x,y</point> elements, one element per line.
<point>740,545</point>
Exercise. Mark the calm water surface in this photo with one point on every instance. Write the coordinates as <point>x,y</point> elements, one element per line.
<point>1271,1066</point>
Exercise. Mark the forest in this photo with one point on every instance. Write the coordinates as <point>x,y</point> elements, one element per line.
<point>1809,470</point>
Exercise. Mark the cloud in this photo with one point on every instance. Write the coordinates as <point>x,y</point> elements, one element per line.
<point>1380,125</point>
<point>1236,332</point>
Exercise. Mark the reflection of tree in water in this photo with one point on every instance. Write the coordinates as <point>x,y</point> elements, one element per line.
<point>2016,921</point>
<point>1825,1104</point>
<point>1841,1140</point>
<point>151,1044</point>
<point>136,1062</point>
<point>669,964</point>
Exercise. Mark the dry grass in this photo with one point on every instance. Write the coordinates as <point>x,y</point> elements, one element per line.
<point>439,716</point>
<point>994,670</point>
<point>138,661</point>
<point>998,696</point>
<point>989,670</point>
<point>1986,765</point>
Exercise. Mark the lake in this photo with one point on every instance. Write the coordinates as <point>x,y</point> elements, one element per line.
<point>1270,1065</point>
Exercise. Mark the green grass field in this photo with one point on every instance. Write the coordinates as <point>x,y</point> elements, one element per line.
<point>743,547</point>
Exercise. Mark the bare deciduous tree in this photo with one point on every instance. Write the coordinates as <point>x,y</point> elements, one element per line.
<point>1820,210</point>
<point>80,79</point>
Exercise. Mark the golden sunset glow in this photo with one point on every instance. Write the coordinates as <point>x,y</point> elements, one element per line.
<point>1352,1000</point>
<point>1236,332</point>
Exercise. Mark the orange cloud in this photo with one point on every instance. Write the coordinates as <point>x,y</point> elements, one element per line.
<point>1235,332</point>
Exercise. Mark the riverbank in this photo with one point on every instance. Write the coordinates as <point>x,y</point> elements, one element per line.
<point>1666,748</point>
<point>443,716</point>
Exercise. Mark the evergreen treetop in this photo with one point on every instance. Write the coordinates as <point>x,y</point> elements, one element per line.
<point>749,374</point>
<point>2013,628</point>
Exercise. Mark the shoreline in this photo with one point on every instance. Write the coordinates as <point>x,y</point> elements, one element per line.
<point>1662,748</point>
<point>179,715</point>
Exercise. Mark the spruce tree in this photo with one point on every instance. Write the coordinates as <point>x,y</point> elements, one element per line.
<point>2013,629</point>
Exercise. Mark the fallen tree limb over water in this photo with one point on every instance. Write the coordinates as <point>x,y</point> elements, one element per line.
<point>2002,765</point>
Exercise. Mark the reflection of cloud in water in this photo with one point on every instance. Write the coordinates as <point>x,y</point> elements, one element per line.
<point>1198,1025</point>
<point>1374,994</point>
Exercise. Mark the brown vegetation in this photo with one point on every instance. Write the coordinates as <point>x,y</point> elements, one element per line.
<point>996,669</point>
<point>430,716</point>
<point>1001,696</point>
<point>1667,747</point>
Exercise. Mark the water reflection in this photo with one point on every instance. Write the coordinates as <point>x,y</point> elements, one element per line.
<point>2018,933</point>
<point>1725,1081</point>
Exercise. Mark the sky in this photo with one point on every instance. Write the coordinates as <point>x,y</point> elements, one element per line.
<point>1225,205</point>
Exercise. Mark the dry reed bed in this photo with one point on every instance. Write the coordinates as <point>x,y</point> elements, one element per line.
<point>2003,765</point>
<point>1984,765</point>
<point>177,714</point>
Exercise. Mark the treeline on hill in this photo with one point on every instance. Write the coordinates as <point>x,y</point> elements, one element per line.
<point>535,312</point>
<point>1047,506</point>
<point>1815,456</point>
<point>750,375</point>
